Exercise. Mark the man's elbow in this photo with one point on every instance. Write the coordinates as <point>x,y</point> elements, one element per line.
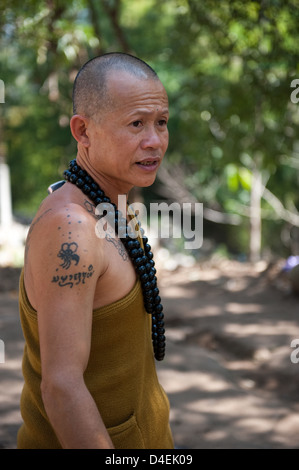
<point>57,391</point>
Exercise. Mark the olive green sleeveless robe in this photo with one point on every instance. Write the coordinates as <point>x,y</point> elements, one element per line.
<point>121,376</point>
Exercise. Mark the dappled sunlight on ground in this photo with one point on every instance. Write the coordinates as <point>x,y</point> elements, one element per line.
<point>228,371</point>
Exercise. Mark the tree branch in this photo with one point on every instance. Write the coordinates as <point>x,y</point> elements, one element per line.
<point>174,189</point>
<point>95,24</point>
<point>177,191</point>
<point>281,211</point>
<point>113,12</point>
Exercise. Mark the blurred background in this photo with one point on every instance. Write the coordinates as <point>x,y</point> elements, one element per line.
<point>227,67</point>
<point>231,70</point>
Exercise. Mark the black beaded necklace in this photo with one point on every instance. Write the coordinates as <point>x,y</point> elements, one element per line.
<point>141,257</point>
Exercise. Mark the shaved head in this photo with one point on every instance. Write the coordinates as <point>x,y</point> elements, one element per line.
<point>91,91</point>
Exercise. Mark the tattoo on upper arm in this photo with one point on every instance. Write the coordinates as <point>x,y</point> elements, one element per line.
<point>68,254</point>
<point>73,279</point>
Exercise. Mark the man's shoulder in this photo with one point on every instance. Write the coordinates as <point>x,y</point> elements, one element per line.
<point>62,227</point>
<point>56,214</point>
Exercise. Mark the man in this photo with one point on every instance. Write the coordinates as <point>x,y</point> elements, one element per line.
<point>90,378</point>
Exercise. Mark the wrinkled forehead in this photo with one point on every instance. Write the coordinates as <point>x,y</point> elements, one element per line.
<point>125,89</point>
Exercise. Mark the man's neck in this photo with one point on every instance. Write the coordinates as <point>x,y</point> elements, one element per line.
<point>110,188</point>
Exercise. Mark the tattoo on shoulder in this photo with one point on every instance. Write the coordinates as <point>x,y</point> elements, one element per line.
<point>75,279</point>
<point>68,254</point>
<point>109,237</point>
<point>118,245</point>
<point>90,208</point>
<point>70,258</point>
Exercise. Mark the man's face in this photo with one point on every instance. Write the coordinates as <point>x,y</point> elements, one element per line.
<point>128,141</point>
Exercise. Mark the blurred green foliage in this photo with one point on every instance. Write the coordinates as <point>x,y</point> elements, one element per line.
<point>227,67</point>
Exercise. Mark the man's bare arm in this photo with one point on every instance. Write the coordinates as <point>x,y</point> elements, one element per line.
<point>63,262</point>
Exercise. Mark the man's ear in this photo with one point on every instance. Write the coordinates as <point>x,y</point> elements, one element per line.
<point>78,125</point>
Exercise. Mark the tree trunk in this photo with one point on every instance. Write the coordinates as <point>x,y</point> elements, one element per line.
<point>256,188</point>
<point>255,216</point>
<point>113,11</point>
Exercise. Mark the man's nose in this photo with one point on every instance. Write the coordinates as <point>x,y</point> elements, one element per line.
<point>152,139</point>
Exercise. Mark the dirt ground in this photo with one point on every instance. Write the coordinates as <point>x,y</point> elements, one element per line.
<point>227,371</point>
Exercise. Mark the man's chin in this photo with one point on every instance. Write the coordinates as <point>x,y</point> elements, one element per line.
<point>145,184</point>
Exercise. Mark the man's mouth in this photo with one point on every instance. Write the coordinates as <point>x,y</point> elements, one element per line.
<point>148,163</point>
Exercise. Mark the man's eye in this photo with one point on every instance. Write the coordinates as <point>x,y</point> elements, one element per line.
<point>162,122</point>
<point>136,123</point>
